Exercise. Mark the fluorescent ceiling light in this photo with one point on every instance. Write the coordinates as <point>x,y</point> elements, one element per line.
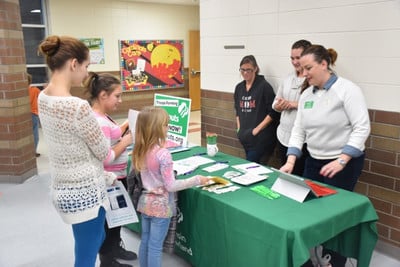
<point>36,11</point>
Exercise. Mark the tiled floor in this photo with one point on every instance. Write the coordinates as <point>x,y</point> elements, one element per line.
<point>33,235</point>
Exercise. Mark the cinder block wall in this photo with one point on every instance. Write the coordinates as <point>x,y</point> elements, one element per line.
<point>380,180</point>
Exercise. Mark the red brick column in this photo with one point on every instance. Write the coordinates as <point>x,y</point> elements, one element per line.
<point>17,156</point>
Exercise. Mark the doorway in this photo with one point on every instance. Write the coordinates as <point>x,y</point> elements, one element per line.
<point>194,69</point>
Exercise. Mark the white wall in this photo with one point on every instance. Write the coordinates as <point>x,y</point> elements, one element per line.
<point>115,20</point>
<point>365,33</point>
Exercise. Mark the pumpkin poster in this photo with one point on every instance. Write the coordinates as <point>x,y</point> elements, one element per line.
<point>151,64</point>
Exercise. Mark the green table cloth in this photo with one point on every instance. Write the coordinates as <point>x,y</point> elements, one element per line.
<point>242,228</point>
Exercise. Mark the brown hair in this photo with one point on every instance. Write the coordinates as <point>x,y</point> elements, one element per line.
<point>96,83</point>
<point>149,132</point>
<point>250,59</point>
<point>320,53</point>
<point>304,44</point>
<point>59,49</point>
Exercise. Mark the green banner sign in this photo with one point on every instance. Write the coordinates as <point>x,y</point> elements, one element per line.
<point>178,109</point>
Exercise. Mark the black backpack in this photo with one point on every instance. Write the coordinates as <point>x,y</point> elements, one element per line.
<point>135,187</point>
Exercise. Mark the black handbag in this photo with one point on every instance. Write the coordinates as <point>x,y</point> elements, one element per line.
<point>135,187</point>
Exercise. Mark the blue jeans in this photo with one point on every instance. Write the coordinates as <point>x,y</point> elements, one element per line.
<point>88,237</point>
<point>35,128</point>
<point>154,231</point>
<point>346,179</point>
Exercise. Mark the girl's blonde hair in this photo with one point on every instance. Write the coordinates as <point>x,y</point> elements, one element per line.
<point>150,131</point>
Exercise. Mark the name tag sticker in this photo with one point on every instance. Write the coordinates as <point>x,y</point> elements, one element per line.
<point>308,104</point>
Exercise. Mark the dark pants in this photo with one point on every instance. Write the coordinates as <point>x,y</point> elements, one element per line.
<point>258,155</point>
<point>35,128</point>
<point>346,179</point>
<point>263,150</point>
<point>113,235</point>
<point>299,164</point>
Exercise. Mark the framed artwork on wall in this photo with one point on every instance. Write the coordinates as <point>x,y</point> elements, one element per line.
<point>151,64</point>
<point>96,49</point>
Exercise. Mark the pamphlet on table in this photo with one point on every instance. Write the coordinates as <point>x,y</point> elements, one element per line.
<point>188,165</point>
<point>253,168</point>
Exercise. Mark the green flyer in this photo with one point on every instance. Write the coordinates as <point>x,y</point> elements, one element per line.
<point>178,109</point>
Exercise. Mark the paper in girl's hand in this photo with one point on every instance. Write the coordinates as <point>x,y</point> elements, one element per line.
<point>220,180</point>
<point>132,117</point>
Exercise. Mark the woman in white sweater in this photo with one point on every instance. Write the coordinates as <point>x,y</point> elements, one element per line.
<point>332,118</point>
<point>77,147</point>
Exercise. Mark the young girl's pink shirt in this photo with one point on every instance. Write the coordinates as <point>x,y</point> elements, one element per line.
<point>112,132</point>
<point>160,183</point>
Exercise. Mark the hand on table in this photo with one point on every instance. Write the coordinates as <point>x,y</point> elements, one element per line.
<point>203,180</point>
<point>288,167</point>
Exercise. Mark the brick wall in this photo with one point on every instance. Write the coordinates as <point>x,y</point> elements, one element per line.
<point>218,115</point>
<point>17,155</point>
<point>380,180</point>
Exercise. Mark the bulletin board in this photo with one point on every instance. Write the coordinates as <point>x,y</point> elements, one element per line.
<point>151,64</point>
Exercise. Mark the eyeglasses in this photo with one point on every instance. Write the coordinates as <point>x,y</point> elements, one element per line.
<point>246,70</point>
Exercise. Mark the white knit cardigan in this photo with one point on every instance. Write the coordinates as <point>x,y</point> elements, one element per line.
<point>77,148</point>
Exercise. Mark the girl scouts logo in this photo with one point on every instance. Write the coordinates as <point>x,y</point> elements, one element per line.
<point>308,104</point>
